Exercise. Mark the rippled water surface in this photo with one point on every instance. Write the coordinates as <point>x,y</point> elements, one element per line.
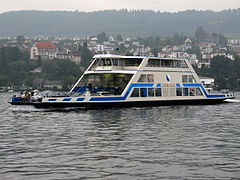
<point>171,142</point>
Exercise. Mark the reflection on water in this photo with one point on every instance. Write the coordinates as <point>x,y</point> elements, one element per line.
<point>171,142</point>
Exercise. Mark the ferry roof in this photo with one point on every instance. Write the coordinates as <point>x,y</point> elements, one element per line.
<point>132,57</point>
<point>115,56</point>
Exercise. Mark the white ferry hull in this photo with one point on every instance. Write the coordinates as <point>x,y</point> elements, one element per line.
<point>113,81</point>
<point>104,105</point>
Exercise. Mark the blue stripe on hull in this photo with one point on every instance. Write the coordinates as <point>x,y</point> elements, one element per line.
<point>123,97</point>
<point>67,99</point>
<point>204,90</point>
<point>52,99</point>
<point>144,85</point>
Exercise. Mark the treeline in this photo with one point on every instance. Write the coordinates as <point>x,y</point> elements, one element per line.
<point>225,71</point>
<point>128,23</point>
<point>16,69</point>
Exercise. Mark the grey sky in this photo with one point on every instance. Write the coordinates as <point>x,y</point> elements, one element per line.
<point>94,5</point>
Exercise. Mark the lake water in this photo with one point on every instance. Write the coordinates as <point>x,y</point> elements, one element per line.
<point>170,142</point>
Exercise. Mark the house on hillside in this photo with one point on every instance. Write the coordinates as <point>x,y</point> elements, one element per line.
<point>46,50</point>
<point>208,82</point>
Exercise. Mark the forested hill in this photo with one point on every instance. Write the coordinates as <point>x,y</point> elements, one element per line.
<point>131,23</point>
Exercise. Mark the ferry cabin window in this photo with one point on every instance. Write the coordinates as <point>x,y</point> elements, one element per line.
<point>153,63</point>
<point>132,61</point>
<point>188,79</point>
<point>146,92</point>
<point>193,91</point>
<point>98,82</point>
<point>158,91</point>
<point>135,92</point>
<point>150,78</point>
<point>185,91</point>
<point>183,64</point>
<point>166,63</point>
<point>179,91</point>
<point>119,62</point>
<point>184,78</point>
<point>115,62</point>
<point>166,91</point>
<point>198,92</point>
<point>146,78</point>
<point>104,62</point>
<point>150,92</point>
<point>143,92</point>
<point>142,78</point>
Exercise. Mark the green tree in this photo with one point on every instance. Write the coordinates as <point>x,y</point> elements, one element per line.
<point>195,50</point>
<point>201,34</point>
<point>20,40</point>
<point>39,61</point>
<point>60,68</point>
<point>222,40</point>
<point>221,68</point>
<point>102,37</point>
<point>86,56</point>
<point>177,40</point>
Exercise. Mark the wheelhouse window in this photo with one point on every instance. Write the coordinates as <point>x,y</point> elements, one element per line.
<point>104,62</point>
<point>115,62</point>
<point>118,61</point>
<point>132,61</point>
<point>169,63</point>
<point>153,63</point>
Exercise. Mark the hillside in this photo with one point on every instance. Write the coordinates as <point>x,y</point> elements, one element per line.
<point>131,23</point>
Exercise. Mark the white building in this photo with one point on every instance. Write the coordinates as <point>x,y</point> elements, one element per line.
<point>207,82</point>
<point>45,50</point>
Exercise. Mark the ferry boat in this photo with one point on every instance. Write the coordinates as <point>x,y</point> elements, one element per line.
<point>133,81</point>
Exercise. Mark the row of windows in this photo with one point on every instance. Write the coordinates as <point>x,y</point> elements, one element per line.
<point>150,78</point>
<point>156,92</point>
<point>119,62</point>
<point>166,63</point>
<point>137,61</point>
<point>146,92</point>
<point>193,91</point>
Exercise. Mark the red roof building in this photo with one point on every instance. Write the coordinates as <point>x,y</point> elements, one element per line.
<point>45,50</point>
<point>46,45</point>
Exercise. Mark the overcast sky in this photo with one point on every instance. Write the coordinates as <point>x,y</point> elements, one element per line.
<point>95,5</point>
